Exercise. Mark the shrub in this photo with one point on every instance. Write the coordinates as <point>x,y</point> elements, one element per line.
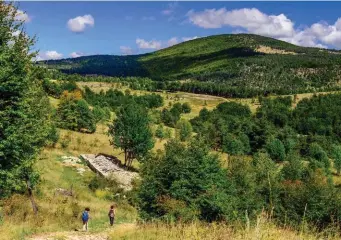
<point>186,108</point>
<point>184,130</point>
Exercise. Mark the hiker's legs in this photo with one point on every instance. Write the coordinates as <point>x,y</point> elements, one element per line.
<point>111,221</point>
<point>85,225</point>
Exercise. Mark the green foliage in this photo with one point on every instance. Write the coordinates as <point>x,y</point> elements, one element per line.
<point>55,89</point>
<point>53,136</point>
<point>317,154</point>
<point>101,114</point>
<point>337,158</point>
<point>75,114</point>
<point>184,130</point>
<point>131,132</point>
<point>276,149</point>
<point>235,144</point>
<point>24,108</point>
<point>172,116</point>
<point>160,132</point>
<point>114,99</point>
<point>294,169</point>
<point>319,115</point>
<point>184,183</point>
<point>186,108</point>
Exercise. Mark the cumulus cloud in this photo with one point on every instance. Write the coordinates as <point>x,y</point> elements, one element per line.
<point>184,39</point>
<point>22,16</point>
<point>80,23</point>
<point>143,44</point>
<point>126,50</point>
<point>76,54</point>
<point>277,26</point>
<point>172,41</point>
<point>48,55</point>
<point>251,19</point>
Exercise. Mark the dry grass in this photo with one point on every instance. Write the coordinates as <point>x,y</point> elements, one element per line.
<point>269,50</point>
<point>196,231</point>
<point>56,212</point>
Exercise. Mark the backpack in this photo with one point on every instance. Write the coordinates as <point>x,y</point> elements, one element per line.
<point>111,213</point>
<point>85,216</point>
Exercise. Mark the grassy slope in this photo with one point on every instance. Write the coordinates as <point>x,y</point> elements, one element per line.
<point>55,211</point>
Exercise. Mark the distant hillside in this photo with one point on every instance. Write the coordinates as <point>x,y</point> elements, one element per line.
<point>231,61</point>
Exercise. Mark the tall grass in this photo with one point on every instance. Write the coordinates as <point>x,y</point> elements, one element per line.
<point>58,212</point>
<point>263,229</point>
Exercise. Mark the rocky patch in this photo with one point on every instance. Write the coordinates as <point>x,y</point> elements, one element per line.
<point>108,166</point>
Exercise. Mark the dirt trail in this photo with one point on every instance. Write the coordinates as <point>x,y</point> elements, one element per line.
<point>71,236</point>
<point>74,235</point>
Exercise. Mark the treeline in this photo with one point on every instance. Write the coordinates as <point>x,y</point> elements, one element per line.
<point>281,161</point>
<point>114,98</point>
<point>254,82</point>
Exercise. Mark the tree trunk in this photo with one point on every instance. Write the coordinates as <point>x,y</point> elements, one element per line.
<point>30,194</point>
<point>125,157</point>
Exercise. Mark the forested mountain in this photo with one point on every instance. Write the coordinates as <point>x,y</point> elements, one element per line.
<point>224,65</point>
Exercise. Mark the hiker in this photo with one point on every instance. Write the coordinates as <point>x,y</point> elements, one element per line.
<point>111,214</point>
<point>85,218</point>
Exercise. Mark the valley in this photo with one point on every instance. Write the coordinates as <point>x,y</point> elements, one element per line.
<point>228,136</point>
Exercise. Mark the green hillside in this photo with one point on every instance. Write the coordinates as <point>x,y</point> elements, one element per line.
<point>222,65</point>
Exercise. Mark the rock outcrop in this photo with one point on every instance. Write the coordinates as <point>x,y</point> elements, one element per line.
<point>109,167</point>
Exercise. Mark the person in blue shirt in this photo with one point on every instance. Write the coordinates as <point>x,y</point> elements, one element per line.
<point>85,218</point>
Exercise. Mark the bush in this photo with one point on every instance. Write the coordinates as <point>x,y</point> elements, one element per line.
<point>184,130</point>
<point>186,108</point>
<point>276,149</point>
<point>75,114</point>
<point>160,132</point>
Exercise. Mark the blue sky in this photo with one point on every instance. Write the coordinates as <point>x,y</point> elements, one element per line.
<point>66,29</point>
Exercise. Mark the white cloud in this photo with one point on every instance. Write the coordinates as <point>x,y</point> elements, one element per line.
<point>172,41</point>
<point>143,44</point>
<point>157,44</point>
<point>148,18</point>
<point>48,55</point>
<point>251,19</point>
<point>126,50</point>
<point>276,26</point>
<point>79,24</point>
<point>184,39</point>
<point>76,54</point>
<point>22,16</point>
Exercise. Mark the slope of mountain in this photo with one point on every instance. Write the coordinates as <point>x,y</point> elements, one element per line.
<point>231,61</point>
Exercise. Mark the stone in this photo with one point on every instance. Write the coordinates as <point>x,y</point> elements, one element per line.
<point>108,166</point>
